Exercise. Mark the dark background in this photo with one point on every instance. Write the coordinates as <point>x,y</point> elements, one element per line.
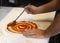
<point>23,2</point>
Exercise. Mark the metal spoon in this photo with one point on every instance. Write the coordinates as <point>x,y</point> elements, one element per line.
<point>14,22</point>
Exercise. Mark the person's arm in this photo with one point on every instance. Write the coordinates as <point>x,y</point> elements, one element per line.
<point>53,5</point>
<point>54,28</point>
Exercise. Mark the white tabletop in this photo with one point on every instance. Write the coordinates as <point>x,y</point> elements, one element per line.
<point>4,11</point>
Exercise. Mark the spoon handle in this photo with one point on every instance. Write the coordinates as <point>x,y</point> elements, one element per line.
<point>20,14</point>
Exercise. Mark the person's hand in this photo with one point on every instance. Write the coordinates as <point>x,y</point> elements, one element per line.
<point>31,9</point>
<point>35,33</point>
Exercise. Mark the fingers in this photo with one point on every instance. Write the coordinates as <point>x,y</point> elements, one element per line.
<point>35,33</point>
<point>29,9</point>
<point>30,34</point>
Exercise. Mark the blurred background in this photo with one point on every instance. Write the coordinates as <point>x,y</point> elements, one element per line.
<point>17,3</point>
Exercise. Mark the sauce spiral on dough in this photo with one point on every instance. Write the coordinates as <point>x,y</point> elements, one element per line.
<point>22,26</point>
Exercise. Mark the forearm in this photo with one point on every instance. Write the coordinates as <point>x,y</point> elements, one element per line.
<point>54,28</point>
<point>51,6</point>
